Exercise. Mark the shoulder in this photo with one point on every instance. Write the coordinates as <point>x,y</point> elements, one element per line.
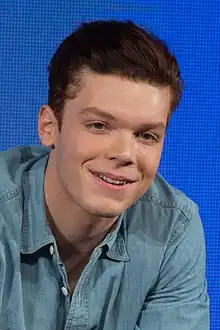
<point>163,212</point>
<point>13,163</point>
<point>164,195</point>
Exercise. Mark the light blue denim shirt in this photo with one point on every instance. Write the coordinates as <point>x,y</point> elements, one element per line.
<point>149,273</point>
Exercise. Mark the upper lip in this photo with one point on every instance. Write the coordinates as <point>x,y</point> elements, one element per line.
<point>115,176</point>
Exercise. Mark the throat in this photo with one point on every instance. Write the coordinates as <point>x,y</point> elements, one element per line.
<point>74,267</point>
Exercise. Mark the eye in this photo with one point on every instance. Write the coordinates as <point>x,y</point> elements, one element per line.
<point>146,136</point>
<point>97,125</point>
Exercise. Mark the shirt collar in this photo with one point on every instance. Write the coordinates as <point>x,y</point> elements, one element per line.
<point>35,230</point>
<point>116,241</point>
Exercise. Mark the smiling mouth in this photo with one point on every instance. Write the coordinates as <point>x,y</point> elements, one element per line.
<point>112,181</point>
<point>115,183</point>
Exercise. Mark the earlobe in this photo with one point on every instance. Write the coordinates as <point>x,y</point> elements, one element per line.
<point>47,129</point>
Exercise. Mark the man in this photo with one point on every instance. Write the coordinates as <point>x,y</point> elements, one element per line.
<point>91,237</point>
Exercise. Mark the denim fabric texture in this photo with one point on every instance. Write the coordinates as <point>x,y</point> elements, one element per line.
<point>149,273</point>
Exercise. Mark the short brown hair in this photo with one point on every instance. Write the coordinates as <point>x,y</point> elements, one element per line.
<point>111,47</point>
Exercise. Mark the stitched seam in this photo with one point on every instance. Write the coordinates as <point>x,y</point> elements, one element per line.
<point>179,230</point>
<point>184,219</point>
<point>169,204</point>
<point>9,194</point>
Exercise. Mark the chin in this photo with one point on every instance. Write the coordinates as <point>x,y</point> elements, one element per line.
<point>105,212</point>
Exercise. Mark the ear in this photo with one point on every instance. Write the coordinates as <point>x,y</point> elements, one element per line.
<point>47,126</point>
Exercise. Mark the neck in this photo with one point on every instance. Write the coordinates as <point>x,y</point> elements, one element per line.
<point>75,231</point>
<point>73,234</point>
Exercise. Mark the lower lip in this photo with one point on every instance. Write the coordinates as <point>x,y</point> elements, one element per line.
<point>111,186</point>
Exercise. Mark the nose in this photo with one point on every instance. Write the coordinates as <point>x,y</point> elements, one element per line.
<point>122,149</point>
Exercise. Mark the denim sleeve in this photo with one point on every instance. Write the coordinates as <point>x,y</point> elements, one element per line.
<point>179,300</point>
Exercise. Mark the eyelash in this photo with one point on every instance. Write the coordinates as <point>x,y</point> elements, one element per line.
<point>92,125</point>
<point>153,137</point>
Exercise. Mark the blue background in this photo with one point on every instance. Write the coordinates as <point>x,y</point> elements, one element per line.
<point>30,31</point>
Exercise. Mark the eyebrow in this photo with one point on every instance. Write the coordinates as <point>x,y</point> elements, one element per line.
<point>107,115</point>
<point>98,112</point>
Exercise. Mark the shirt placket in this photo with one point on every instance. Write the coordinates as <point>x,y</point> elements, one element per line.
<point>78,316</point>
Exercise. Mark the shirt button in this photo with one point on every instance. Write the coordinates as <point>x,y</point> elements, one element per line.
<point>64,291</point>
<point>51,250</point>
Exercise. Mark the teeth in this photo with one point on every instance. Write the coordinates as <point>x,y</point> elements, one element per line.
<point>105,178</point>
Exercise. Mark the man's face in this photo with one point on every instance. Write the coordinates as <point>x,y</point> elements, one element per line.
<point>110,143</point>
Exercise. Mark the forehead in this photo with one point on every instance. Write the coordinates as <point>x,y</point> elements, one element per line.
<point>122,98</point>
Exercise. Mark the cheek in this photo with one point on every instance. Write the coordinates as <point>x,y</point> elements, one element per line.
<point>87,146</point>
<point>76,148</point>
<point>149,160</point>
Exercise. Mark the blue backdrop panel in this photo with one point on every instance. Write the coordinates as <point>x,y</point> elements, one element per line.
<point>30,31</point>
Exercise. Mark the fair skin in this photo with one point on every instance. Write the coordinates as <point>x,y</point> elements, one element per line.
<point>114,127</point>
